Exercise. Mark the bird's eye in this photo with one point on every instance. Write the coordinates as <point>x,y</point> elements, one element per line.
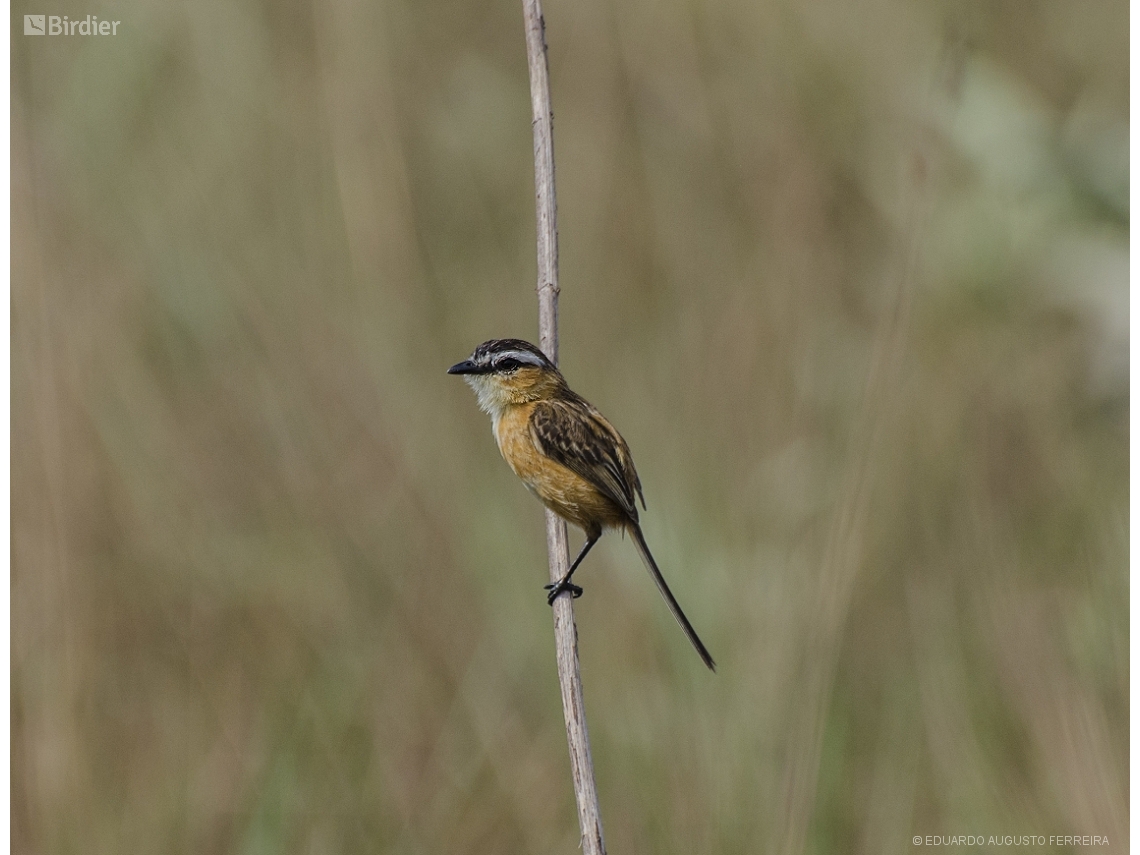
<point>507,364</point>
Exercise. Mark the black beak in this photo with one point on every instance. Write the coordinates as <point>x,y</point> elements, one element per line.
<point>465,367</point>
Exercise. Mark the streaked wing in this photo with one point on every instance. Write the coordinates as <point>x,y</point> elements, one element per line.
<point>571,432</point>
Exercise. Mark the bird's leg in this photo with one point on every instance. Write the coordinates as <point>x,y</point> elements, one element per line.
<point>563,584</point>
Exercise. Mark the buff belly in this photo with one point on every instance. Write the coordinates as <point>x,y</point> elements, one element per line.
<point>566,493</point>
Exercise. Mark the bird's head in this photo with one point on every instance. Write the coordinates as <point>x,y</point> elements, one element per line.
<point>507,371</point>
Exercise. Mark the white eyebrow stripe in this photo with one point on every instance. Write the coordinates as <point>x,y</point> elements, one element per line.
<point>523,356</point>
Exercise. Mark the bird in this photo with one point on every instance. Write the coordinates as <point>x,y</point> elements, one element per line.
<point>566,453</point>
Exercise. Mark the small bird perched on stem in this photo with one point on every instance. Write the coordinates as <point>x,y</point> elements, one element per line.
<point>565,452</point>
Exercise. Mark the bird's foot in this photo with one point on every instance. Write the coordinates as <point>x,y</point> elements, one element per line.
<point>556,588</point>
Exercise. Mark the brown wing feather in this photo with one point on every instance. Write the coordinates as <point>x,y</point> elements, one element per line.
<point>571,432</point>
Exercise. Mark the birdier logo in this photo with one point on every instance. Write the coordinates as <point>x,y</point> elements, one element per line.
<point>54,25</point>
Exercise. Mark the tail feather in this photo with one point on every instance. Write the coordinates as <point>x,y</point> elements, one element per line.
<point>651,565</point>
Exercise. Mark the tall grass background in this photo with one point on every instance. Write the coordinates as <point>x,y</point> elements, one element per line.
<point>851,278</point>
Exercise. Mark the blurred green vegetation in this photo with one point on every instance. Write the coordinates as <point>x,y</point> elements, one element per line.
<point>850,278</point>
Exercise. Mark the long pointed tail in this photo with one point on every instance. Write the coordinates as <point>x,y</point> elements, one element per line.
<point>651,565</point>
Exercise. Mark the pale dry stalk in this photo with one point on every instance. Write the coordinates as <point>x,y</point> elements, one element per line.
<point>565,630</point>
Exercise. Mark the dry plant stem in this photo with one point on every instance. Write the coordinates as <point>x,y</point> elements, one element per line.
<point>565,631</point>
